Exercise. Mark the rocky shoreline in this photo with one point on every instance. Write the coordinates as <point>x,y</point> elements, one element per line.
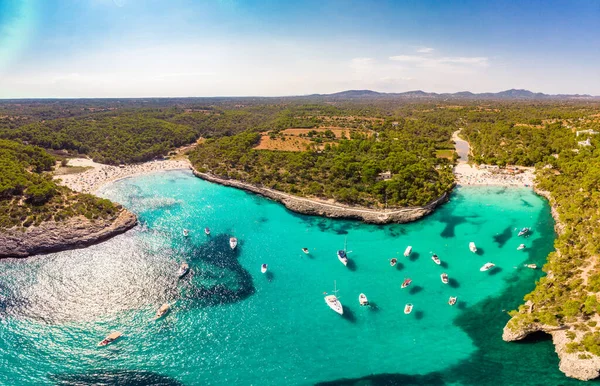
<point>331,210</point>
<point>78,232</point>
<point>571,364</point>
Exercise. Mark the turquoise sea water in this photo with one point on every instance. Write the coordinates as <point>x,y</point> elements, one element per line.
<point>230,324</point>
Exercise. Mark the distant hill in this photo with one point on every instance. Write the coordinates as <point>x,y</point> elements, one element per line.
<point>516,94</point>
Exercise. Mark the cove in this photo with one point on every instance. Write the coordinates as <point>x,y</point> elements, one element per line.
<point>231,324</point>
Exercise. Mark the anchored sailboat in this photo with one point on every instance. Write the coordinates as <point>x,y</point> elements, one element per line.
<point>333,302</point>
<point>342,255</point>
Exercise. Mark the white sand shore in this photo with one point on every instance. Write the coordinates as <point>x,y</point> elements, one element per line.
<point>93,179</point>
<point>485,175</point>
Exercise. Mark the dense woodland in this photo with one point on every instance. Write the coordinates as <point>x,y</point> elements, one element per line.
<point>29,196</point>
<point>347,171</point>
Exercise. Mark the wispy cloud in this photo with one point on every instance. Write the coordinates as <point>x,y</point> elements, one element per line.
<point>448,62</point>
<point>425,50</point>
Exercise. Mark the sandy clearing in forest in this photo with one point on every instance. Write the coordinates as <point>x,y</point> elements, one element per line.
<point>291,143</point>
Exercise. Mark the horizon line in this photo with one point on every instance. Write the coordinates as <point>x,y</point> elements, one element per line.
<point>294,95</point>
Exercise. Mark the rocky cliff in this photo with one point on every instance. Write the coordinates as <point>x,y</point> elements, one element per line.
<point>332,210</point>
<point>77,232</point>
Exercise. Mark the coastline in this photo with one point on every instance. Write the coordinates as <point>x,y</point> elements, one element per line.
<point>327,209</point>
<point>77,232</point>
<point>570,363</point>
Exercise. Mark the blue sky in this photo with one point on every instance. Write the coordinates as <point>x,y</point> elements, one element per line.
<point>135,48</point>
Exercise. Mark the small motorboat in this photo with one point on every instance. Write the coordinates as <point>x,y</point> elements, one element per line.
<point>341,254</point>
<point>436,259</point>
<point>186,233</point>
<point>472,247</point>
<point>207,231</point>
<point>233,242</point>
<point>393,261</point>
<point>520,247</point>
<point>408,308</point>
<point>407,251</point>
<point>523,232</point>
<point>444,277</point>
<point>183,270</point>
<point>362,299</point>
<point>110,338</point>
<point>406,283</point>
<point>532,266</point>
<point>263,268</point>
<point>487,267</point>
<point>452,300</point>
<point>333,302</point>
<point>162,311</point>
<point>305,250</point>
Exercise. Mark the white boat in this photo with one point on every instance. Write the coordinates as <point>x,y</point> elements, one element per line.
<point>436,259</point>
<point>305,250</point>
<point>523,231</point>
<point>472,247</point>
<point>110,338</point>
<point>522,246</point>
<point>333,302</point>
<point>406,283</point>
<point>183,270</point>
<point>233,242</point>
<point>162,311</point>
<point>487,267</point>
<point>452,300</point>
<point>407,251</point>
<point>532,266</point>
<point>444,277</point>
<point>186,233</point>
<point>408,308</point>
<point>393,261</point>
<point>207,231</point>
<point>362,299</point>
<point>263,268</point>
<point>341,254</point>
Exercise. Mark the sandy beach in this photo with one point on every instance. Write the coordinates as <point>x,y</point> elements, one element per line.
<point>487,175</point>
<point>492,176</point>
<point>100,174</point>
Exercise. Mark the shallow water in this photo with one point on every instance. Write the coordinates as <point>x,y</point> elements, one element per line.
<point>230,324</point>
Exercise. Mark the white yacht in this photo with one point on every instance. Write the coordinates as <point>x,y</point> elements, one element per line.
<point>183,270</point>
<point>523,231</point>
<point>186,233</point>
<point>487,267</point>
<point>233,242</point>
<point>407,251</point>
<point>342,256</point>
<point>472,247</point>
<point>444,277</point>
<point>263,268</point>
<point>362,299</point>
<point>162,311</point>
<point>333,302</point>
<point>436,259</point>
<point>408,308</point>
<point>520,247</point>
